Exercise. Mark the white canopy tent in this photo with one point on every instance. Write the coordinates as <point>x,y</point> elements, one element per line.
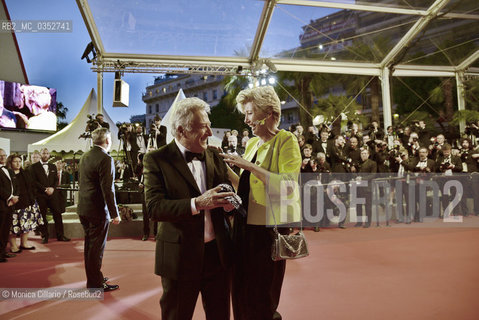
<point>149,37</point>
<point>212,141</point>
<point>67,139</point>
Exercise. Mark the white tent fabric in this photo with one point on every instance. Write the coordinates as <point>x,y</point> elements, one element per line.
<point>166,119</point>
<point>67,139</point>
<point>212,141</point>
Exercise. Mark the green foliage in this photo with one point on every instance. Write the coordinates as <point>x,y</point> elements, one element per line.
<point>61,114</point>
<point>332,106</point>
<point>465,115</point>
<point>225,115</point>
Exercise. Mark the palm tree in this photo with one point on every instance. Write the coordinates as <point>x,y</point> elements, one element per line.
<point>61,113</point>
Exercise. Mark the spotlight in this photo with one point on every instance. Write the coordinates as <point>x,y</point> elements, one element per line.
<point>263,82</point>
<point>271,80</point>
<point>270,65</point>
<point>89,49</point>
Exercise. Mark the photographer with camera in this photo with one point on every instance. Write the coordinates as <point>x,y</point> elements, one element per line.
<point>469,159</point>
<point>339,159</point>
<point>157,135</point>
<point>423,166</point>
<point>381,156</point>
<point>413,145</point>
<point>436,146</point>
<point>100,120</point>
<point>353,153</point>
<point>405,166</point>
<point>447,164</point>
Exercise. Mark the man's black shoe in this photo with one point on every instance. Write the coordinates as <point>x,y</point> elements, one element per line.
<point>44,240</point>
<point>105,279</point>
<point>110,287</point>
<point>144,238</point>
<point>63,238</point>
<point>3,260</point>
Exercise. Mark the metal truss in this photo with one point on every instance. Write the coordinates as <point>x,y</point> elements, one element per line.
<point>159,68</point>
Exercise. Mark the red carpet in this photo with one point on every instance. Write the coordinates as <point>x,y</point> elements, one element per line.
<point>375,273</point>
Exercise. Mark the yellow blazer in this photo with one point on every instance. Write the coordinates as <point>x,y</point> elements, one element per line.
<point>280,156</point>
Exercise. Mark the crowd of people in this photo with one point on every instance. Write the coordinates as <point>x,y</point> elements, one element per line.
<point>402,156</point>
<point>29,190</point>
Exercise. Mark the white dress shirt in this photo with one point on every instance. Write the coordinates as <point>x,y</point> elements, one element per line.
<point>198,170</point>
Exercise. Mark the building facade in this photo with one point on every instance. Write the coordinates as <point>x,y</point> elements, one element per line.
<point>160,96</point>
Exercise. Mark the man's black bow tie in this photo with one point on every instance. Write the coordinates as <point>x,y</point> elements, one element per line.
<point>191,155</point>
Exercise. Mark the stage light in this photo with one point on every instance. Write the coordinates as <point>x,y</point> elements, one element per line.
<point>89,49</point>
<point>250,85</point>
<point>121,92</point>
<point>271,80</point>
<point>333,59</point>
<point>320,47</point>
<point>263,82</point>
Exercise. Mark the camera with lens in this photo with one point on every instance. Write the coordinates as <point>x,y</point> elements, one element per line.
<point>92,123</point>
<point>445,165</point>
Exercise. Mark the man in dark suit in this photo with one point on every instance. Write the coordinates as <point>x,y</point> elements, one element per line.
<point>158,133</point>
<point>405,166</point>
<point>366,171</point>
<point>45,179</point>
<point>424,167</point>
<point>7,200</point>
<point>97,205</point>
<point>324,145</point>
<point>193,242</point>
<point>339,159</point>
<point>64,182</point>
<point>447,165</point>
<point>138,142</point>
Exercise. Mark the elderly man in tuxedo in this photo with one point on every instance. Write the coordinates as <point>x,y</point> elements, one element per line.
<point>45,180</point>
<point>193,243</point>
<point>7,200</point>
<point>97,205</point>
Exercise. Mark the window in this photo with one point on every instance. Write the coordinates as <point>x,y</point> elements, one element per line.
<point>205,96</point>
<point>215,94</point>
<point>149,109</point>
<point>157,108</point>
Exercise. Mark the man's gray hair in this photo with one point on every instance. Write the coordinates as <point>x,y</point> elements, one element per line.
<point>98,136</point>
<point>183,113</point>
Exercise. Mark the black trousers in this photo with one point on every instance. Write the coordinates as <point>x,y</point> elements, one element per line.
<point>6,218</point>
<point>257,279</point>
<point>179,296</point>
<point>367,194</point>
<point>50,202</point>
<point>96,231</point>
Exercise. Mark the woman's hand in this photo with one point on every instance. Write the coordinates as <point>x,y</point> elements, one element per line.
<point>236,161</point>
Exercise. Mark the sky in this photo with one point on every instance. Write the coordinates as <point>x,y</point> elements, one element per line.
<point>53,59</point>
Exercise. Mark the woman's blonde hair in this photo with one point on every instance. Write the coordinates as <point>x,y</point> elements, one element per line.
<point>262,98</point>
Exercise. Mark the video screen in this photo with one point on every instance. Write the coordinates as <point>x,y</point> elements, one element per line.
<point>24,106</point>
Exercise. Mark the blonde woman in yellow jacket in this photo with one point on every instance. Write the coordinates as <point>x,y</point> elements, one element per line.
<point>268,184</point>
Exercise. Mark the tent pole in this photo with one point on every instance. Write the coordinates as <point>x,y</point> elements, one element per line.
<point>99,81</point>
<point>386,95</point>
<point>461,101</point>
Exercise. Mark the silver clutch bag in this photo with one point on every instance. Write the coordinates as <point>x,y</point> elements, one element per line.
<point>289,246</point>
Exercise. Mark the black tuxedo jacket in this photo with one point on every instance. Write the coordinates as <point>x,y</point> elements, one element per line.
<point>169,188</point>
<point>431,164</point>
<point>161,137</point>
<point>96,188</point>
<point>318,147</point>
<point>40,179</point>
<point>455,160</point>
<point>6,190</point>
<point>134,142</point>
